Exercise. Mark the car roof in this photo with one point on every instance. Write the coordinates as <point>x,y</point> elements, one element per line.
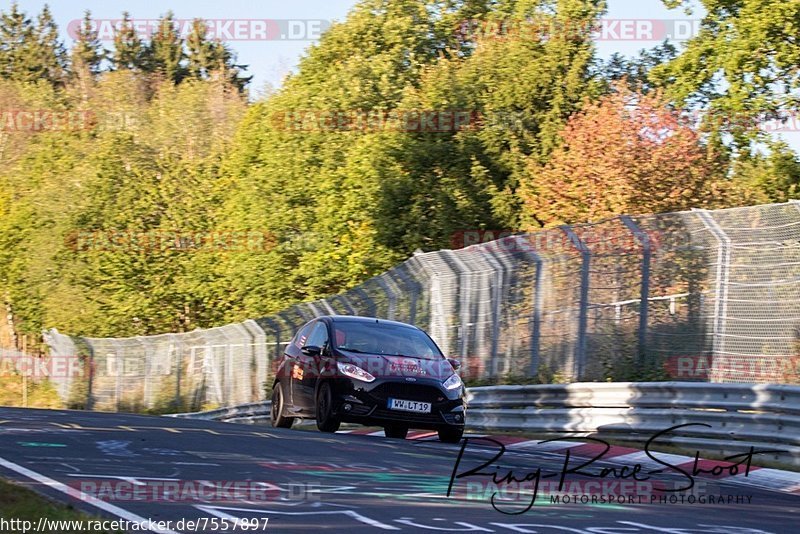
<point>361,319</point>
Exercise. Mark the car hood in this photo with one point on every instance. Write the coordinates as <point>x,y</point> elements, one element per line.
<point>385,366</point>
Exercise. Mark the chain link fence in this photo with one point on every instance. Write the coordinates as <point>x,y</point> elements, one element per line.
<point>698,295</point>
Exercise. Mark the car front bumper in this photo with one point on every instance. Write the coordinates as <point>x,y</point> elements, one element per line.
<point>368,403</point>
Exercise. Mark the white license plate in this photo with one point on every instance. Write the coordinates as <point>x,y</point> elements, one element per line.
<point>409,406</point>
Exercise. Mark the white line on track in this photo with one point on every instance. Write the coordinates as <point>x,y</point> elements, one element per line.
<point>97,503</point>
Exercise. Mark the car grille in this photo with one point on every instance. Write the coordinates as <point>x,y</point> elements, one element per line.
<point>399,390</point>
<point>409,417</point>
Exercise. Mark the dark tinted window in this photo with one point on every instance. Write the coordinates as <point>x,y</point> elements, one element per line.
<point>319,335</point>
<point>383,338</point>
<point>302,336</point>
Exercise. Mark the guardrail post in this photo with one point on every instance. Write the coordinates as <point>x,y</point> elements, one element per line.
<point>586,256</point>
<point>644,305</point>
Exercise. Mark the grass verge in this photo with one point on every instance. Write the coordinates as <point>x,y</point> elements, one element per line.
<point>21,504</point>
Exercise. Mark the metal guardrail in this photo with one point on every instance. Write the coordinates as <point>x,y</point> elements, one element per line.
<point>255,412</point>
<point>739,416</point>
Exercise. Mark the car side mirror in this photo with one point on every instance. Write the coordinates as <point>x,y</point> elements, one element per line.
<point>455,363</point>
<point>311,350</point>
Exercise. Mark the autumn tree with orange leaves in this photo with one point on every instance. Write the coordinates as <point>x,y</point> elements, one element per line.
<point>628,153</point>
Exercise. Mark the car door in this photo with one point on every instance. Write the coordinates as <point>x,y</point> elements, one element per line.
<point>293,370</point>
<point>310,365</point>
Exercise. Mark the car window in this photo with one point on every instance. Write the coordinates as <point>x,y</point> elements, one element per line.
<point>302,336</point>
<point>319,336</point>
<point>382,338</point>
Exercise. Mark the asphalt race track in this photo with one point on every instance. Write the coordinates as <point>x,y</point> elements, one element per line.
<point>338,483</point>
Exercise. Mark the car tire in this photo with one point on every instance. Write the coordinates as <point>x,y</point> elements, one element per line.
<point>278,406</point>
<point>395,431</point>
<point>326,421</point>
<point>451,434</point>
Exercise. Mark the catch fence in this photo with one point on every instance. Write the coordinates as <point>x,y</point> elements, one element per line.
<point>697,295</point>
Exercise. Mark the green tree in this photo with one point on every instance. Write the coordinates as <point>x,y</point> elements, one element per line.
<point>212,59</point>
<point>636,71</point>
<point>165,51</point>
<point>345,201</point>
<point>130,53</point>
<point>16,43</point>
<point>200,51</point>
<point>51,56</point>
<point>87,55</point>
<point>30,52</point>
<point>87,52</point>
<point>741,67</point>
<point>774,177</point>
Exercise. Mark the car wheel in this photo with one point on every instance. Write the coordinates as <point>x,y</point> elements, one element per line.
<point>278,405</point>
<point>395,431</point>
<point>451,434</point>
<point>326,421</point>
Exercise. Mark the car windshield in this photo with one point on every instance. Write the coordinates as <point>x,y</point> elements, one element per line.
<point>386,339</point>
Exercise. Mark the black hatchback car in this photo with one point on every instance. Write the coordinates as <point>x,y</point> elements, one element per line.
<point>368,371</point>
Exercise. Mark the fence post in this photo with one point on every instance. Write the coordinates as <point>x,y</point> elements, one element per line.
<point>371,310</point>
<point>644,305</point>
<point>178,352</point>
<point>465,288</point>
<point>348,307</point>
<point>275,326</point>
<point>412,288</point>
<point>723,274</point>
<point>536,333</point>
<point>391,296</point>
<point>586,257</point>
<point>496,293</point>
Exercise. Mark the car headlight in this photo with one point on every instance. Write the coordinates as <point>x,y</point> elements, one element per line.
<point>453,382</point>
<point>354,371</point>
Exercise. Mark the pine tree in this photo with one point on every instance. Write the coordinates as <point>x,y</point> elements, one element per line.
<point>200,50</point>
<point>212,59</point>
<point>50,55</point>
<point>129,51</point>
<point>16,38</point>
<point>223,66</point>
<point>30,52</point>
<point>87,52</point>
<point>87,55</point>
<point>165,51</point>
